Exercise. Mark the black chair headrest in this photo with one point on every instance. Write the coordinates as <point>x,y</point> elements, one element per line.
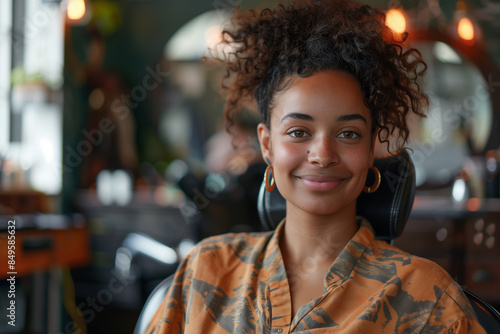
<point>387,209</point>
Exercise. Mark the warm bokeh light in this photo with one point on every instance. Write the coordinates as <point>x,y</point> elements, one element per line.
<point>76,9</point>
<point>396,20</point>
<point>465,29</point>
<point>473,204</point>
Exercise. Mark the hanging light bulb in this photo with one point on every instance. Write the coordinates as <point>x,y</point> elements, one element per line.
<point>78,12</point>
<point>76,9</point>
<point>465,29</point>
<point>395,19</point>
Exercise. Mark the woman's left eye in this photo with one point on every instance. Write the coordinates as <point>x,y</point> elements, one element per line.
<point>297,134</point>
<point>349,135</point>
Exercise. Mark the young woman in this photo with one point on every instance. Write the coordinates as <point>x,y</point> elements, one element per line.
<point>329,80</point>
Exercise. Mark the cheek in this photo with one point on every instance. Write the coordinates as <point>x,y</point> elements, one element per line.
<point>358,161</point>
<point>287,154</point>
<point>286,158</point>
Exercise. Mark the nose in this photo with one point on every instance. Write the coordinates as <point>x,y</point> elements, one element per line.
<point>323,152</point>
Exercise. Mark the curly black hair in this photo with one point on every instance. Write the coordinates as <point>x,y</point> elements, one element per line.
<point>270,47</point>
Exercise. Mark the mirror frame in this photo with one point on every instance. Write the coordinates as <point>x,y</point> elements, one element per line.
<point>476,53</point>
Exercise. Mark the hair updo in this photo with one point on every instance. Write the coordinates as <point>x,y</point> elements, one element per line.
<point>270,47</point>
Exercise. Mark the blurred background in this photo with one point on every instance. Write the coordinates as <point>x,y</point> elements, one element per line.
<point>114,160</point>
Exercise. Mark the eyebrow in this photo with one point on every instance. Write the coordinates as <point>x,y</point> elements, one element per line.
<point>306,117</point>
<point>351,117</point>
<point>297,115</point>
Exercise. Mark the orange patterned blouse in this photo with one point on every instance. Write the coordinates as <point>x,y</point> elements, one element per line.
<point>237,283</point>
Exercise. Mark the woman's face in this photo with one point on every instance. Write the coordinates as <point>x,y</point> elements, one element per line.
<point>319,143</point>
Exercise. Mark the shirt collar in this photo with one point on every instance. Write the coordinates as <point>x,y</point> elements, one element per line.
<point>273,260</point>
<point>345,263</point>
<point>341,268</point>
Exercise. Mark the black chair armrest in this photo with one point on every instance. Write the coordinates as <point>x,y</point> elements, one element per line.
<point>152,304</point>
<point>487,316</point>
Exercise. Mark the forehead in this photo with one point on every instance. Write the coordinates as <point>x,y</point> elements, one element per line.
<point>331,92</point>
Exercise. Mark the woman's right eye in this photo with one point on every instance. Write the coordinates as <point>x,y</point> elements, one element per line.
<point>298,134</point>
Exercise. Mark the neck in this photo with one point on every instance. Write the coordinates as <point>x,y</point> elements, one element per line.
<point>316,239</point>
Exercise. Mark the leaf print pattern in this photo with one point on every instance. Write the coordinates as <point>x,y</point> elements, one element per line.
<point>237,283</point>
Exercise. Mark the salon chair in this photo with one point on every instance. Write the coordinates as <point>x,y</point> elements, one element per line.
<point>387,209</point>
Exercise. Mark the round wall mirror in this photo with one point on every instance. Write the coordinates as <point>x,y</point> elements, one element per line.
<point>459,122</point>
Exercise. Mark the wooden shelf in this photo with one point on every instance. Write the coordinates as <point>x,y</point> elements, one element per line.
<point>41,250</point>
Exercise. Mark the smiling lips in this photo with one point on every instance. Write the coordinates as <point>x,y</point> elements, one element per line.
<point>321,182</point>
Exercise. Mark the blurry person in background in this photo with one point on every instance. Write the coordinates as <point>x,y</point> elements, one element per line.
<point>236,158</point>
<point>108,139</point>
<point>229,182</point>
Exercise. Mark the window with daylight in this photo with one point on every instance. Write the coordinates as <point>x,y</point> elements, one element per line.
<point>5,61</point>
<point>31,62</point>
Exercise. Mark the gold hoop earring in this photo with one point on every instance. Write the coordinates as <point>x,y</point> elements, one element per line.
<point>374,186</point>
<point>269,185</point>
